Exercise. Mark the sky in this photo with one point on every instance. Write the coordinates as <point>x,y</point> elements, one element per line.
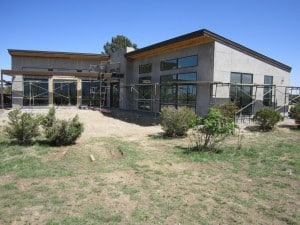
<point>270,27</point>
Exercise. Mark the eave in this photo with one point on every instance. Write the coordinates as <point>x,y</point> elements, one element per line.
<point>55,73</point>
<point>198,38</point>
<point>63,55</point>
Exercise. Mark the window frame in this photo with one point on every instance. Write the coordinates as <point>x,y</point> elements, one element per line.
<point>174,99</point>
<point>143,68</point>
<point>145,104</point>
<point>44,94</point>
<point>177,60</point>
<point>240,98</point>
<point>268,91</point>
<point>88,97</point>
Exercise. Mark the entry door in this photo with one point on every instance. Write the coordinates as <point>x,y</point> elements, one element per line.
<point>114,94</point>
<point>65,92</point>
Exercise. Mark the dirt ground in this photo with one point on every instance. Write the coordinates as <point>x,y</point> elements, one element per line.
<point>130,125</point>
<point>134,126</point>
<point>148,186</point>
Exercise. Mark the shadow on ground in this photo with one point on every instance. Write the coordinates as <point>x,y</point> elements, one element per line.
<point>140,118</point>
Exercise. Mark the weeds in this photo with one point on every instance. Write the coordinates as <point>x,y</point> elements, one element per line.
<point>157,181</point>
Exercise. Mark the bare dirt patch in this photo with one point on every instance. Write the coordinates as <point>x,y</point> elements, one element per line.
<point>139,177</point>
<point>96,124</point>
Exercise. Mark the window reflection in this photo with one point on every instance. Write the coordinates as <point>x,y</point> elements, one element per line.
<point>178,63</point>
<point>268,93</point>
<point>241,94</point>
<point>177,94</point>
<point>145,93</point>
<point>36,92</point>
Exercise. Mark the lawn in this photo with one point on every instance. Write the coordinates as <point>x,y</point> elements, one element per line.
<point>152,180</point>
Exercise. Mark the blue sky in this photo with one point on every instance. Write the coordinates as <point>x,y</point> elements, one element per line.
<point>270,27</point>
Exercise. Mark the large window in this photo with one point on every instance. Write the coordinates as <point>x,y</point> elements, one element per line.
<point>145,68</point>
<point>36,92</point>
<point>240,93</point>
<point>267,100</point>
<point>171,64</point>
<point>90,92</point>
<point>65,92</point>
<point>176,91</point>
<point>145,93</point>
<point>187,61</point>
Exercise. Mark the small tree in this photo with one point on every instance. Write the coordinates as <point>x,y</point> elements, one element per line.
<point>22,126</point>
<point>295,112</point>
<point>267,118</point>
<point>211,130</point>
<point>61,132</point>
<point>176,122</point>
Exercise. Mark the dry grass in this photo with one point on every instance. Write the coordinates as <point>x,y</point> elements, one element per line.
<point>140,177</point>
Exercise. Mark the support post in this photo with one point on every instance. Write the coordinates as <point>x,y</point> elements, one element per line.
<point>286,93</point>
<point>2,91</point>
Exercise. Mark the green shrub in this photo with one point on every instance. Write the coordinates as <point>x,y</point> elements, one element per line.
<point>176,122</point>
<point>23,127</point>
<point>49,119</point>
<point>61,132</point>
<point>228,110</point>
<point>267,118</point>
<point>211,130</point>
<point>295,112</point>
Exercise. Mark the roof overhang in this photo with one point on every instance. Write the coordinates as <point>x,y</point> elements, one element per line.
<point>55,73</point>
<point>198,38</point>
<point>63,55</point>
<point>168,46</point>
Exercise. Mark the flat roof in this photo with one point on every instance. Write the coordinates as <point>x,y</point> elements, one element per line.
<point>197,38</point>
<point>55,73</point>
<point>54,54</point>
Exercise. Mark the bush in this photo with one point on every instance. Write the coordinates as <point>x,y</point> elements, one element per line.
<point>228,110</point>
<point>267,118</point>
<point>211,130</point>
<point>49,119</point>
<point>176,122</point>
<point>61,132</point>
<point>295,112</point>
<point>24,127</point>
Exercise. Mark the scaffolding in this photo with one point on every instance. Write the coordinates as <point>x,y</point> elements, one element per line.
<point>290,93</point>
<point>35,89</point>
<point>99,93</point>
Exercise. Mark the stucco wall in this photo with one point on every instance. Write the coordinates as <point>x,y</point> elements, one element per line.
<point>19,62</point>
<point>17,91</point>
<point>204,73</point>
<point>229,60</point>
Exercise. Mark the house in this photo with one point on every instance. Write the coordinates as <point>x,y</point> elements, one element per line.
<point>195,70</point>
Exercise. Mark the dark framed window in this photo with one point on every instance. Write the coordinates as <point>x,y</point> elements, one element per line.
<point>145,68</point>
<point>173,93</point>
<point>240,93</point>
<point>268,92</point>
<point>178,63</point>
<point>36,92</point>
<point>188,61</point>
<point>90,93</point>
<point>145,94</point>
<point>168,64</point>
<point>65,92</point>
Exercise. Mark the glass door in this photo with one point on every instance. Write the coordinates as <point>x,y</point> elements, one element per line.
<point>65,92</point>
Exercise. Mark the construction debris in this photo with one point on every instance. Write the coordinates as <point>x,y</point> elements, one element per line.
<point>92,158</point>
